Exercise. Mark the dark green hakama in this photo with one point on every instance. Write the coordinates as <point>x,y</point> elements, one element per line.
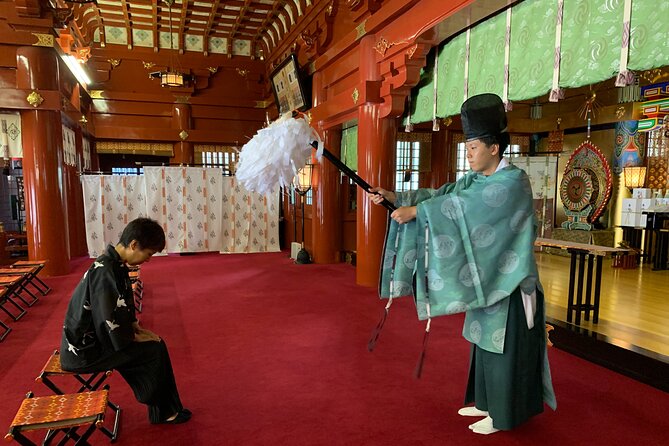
<point>509,385</point>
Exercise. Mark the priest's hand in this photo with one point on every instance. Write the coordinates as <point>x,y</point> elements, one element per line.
<point>404,214</point>
<point>377,194</point>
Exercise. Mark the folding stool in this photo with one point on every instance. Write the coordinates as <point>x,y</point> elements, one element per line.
<point>60,413</point>
<point>21,285</point>
<point>6,298</point>
<point>6,328</point>
<point>28,272</point>
<point>88,382</point>
<point>38,264</point>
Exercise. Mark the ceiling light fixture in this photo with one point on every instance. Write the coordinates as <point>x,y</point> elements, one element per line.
<point>173,76</point>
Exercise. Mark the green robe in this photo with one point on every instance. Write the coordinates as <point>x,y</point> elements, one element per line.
<point>470,247</point>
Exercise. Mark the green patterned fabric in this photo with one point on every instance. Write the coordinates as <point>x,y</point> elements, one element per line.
<point>451,77</point>
<point>349,147</point>
<point>480,250</point>
<point>486,57</point>
<point>590,51</point>
<point>531,49</point>
<point>422,99</point>
<point>591,41</point>
<point>649,46</point>
<point>470,248</point>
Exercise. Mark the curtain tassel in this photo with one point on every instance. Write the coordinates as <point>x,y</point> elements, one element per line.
<point>377,330</point>
<point>419,367</point>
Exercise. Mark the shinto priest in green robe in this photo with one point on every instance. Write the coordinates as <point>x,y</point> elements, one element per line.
<point>471,249</point>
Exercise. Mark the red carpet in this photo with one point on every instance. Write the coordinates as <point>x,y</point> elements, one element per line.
<point>267,352</point>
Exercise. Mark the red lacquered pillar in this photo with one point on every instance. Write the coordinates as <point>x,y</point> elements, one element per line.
<point>75,208</point>
<point>325,209</point>
<point>41,136</point>
<point>181,120</point>
<point>376,157</point>
<point>326,215</point>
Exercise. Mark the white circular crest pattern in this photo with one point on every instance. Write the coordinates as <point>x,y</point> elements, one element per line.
<point>409,259</point>
<point>453,208</point>
<point>456,307</point>
<point>434,281</point>
<point>482,236</point>
<point>495,195</point>
<point>508,262</point>
<point>401,289</point>
<point>470,275</point>
<point>443,246</point>
<point>520,221</point>
<point>498,338</point>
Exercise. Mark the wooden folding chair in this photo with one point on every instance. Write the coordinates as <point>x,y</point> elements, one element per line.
<point>27,271</point>
<point>7,298</point>
<point>59,413</point>
<point>21,285</point>
<point>5,328</point>
<point>38,264</point>
<point>87,381</point>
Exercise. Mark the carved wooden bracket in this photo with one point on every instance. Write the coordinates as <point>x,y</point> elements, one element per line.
<point>401,72</point>
<point>317,36</point>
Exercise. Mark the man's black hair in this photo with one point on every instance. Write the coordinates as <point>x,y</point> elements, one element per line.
<point>502,140</point>
<point>148,233</point>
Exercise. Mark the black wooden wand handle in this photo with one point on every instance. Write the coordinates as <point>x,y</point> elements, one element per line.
<point>352,175</point>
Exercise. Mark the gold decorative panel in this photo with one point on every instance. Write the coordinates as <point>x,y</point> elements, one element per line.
<point>134,148</point>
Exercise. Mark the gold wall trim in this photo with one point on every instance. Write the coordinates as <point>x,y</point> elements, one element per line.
<point>135,148</point>
<point>44,40</point>
<point>34,99</point>
<point>355,95</point>
<point>360,30</point>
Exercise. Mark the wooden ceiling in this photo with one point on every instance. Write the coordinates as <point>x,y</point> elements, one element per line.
<point>232,27</point>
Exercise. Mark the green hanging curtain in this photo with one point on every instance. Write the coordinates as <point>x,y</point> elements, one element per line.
<point>591,41</point>
<point>422,99</point>
<point>486,57</point>
<point>649,40</point>
<point>451,77</point>
<point>531,49</point>
<point>349,147</point>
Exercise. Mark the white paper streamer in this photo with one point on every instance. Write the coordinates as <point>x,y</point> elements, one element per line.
<point>275,154</point>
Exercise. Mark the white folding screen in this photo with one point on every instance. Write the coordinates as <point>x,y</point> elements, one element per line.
<point>110,202</point>
<point>250,220</point>
<point>186,201</point>
<point>199,209</point>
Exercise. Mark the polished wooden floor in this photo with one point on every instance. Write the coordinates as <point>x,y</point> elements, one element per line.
<point>634,307</point>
